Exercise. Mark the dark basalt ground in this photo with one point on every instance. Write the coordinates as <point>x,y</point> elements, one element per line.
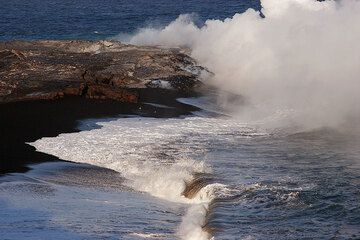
<point>46,87</point>
<point>99,70</point>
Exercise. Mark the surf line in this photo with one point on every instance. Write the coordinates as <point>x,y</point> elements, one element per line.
<point>203,194</point>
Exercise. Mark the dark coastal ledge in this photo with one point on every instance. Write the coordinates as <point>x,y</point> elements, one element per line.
<point>98,70</point>
<point>46,87</point>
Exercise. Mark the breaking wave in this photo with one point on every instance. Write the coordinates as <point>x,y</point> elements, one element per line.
<point>163,157</point>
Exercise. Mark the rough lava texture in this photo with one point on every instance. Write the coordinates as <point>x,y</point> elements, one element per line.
<point>33,70</point>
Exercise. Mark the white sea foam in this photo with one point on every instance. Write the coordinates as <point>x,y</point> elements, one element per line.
<point>157,156</point>
<point>148,235</point>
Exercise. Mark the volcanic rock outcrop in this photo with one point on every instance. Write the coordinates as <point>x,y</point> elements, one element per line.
<point>32,70</point>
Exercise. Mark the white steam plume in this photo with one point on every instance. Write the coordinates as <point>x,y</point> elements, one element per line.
<point>300,63</point>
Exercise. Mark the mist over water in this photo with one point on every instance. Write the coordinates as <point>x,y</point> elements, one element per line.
<point>217,174</point>
<point>297,66</point>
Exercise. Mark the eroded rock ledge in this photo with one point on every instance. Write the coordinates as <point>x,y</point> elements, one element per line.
<point>99,70</point>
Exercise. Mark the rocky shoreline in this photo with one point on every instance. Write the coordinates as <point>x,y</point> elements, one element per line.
<point>46,87</point>
<point>97,70</point>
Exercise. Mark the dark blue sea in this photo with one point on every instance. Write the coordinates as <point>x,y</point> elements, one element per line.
<point>92,19</point>
<point>126,179</point>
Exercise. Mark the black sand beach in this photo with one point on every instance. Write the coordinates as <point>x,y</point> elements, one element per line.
<point>23,122</point>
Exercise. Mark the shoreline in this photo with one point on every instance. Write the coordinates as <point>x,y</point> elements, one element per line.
<point>23,122</point>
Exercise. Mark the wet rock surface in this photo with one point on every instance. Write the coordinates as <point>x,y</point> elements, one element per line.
<point>97,70</point>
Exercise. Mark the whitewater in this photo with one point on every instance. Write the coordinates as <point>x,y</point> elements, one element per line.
<point>234,180</point>
<point>280,163</point>
<point>156,156</point>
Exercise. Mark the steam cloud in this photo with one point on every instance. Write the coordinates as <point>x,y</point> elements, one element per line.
<point>300,64</point>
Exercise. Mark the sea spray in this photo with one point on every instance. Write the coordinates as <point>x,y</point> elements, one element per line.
<point>296,62</point>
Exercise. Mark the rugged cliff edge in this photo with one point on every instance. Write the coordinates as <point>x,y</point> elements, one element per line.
<point>97,70</point>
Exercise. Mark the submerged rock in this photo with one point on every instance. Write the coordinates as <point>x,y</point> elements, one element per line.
<point>98,70</point>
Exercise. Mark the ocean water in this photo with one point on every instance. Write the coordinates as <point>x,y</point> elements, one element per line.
<point>91,19</point>
<point>210,175</point>
<point>195,177</point>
